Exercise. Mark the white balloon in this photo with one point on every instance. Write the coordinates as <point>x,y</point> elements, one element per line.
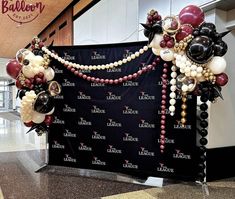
<point>37,61</point>
<point>155,43</point>
<point>35,70</point>
<point>51,112</point>
<point>38,117</point>
<point>156,51</point>
<point>41,69</point>
<point>29,56</point>
<point>217,65</point>
<point>28,71</point>
<point>49,74</point>
<point>167,54</point>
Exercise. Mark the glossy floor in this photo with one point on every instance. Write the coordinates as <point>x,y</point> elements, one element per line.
<point>21,155</point>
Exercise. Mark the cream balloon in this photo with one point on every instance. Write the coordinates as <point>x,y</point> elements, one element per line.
<point>217,65</point>
<point>38,117</point>
<point>37,61</point>
<point>167,54</point>
<point>30,56</point>
<point>49,74</point>
<point>155,43</point>
<point>28,71</point>
<point>156,51</point>
<point>35,70</point>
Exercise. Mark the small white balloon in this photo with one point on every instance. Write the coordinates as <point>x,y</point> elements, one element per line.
<point>167,54</point>
<point>217,65</point>
<point>37,61</point>
<point>49,74</point>
<point>155,43</point>
<point>29,56</point>
<point>38,117</point>
<point>28,71</point>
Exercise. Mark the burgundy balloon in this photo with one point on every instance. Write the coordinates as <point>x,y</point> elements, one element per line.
<point>13,68</point>
<point>18,84</point>
<point>191,15</point>
<point>222,79</point>
<point>48,120</point>
<point>183,32</point>
<point>29,124</point>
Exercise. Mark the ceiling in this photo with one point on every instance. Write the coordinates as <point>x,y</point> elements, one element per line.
<point>15,36</point>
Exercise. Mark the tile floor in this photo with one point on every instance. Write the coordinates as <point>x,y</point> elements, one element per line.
<point>21,155</point>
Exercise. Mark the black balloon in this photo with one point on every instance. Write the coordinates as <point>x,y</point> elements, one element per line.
<point>204,115</point>
<point>203,132</point>
<point>220,48</point>
<point>22,93</point>
<point>204,124</point>
<point>200,49</point>
<point>44,103</point>
<point>204,107</point>
<point>203,141</point>
<point>207,29</point>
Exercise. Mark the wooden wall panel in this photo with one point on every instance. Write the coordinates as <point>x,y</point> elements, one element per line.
<point>61,31</point>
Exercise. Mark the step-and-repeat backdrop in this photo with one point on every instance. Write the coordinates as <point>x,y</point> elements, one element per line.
<point>117,127</point>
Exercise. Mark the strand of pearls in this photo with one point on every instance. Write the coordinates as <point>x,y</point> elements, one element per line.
<point>188,68</point>
<point>114,81</point>
<point>163,107</point>
<point>96,67</point>
<point>173,90</point>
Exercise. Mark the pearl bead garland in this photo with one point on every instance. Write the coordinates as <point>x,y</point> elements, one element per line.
<point>114,81</point>
<point>173,89</point>
<point>96,67</point>
<point>187,67</point>
<point>163,108</point>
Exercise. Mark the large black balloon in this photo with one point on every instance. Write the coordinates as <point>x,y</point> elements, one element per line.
<point>207,29</point>
<point>220,48</point>
<point>44,103</point>
<point>200,49</point>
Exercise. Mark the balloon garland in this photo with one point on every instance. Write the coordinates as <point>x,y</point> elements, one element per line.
<point>194,47</point>
<point>33,77</point>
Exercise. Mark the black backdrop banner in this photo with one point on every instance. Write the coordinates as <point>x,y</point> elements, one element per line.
<point>117,127</point>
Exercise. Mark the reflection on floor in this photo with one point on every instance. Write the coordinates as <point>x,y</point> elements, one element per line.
<point>13,135</point>
<point>18,179</point>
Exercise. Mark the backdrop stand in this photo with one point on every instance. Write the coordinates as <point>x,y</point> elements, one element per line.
<point>44,166</point>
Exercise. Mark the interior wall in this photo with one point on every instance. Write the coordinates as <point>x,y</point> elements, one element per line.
<point>60,31</point>
<point>109,21</point>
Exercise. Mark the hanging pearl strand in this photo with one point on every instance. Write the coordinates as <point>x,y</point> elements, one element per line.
<point>163,108</point>
<point>173,89</point>
<point>114,81</point>
<point>96,67</point>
